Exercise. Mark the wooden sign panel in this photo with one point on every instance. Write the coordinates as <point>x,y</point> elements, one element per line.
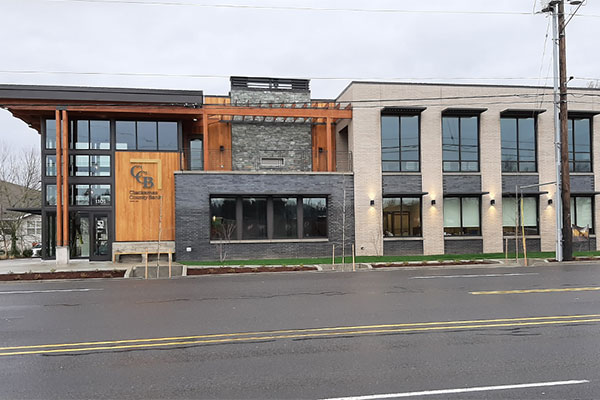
<point>145,196</point>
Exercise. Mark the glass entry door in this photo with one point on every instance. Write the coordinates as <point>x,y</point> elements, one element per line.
<point>79,233</point>
<point>101,237</point>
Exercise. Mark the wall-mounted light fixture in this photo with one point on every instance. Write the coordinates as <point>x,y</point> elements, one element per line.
<point>433,202</point>
<point>221,148</point>
<point>549,202</point>
<point>493,202</point>
<point>372,203</point>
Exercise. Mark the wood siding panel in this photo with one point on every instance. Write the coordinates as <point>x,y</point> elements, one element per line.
<point>138,219</point>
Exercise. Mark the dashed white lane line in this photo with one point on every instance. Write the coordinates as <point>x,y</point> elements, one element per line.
<point>473,275</point>
<point>460,390</point>
<point>48,291</point>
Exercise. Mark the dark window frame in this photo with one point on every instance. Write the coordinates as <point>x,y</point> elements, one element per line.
<point>535,143</point>
<point>400,114</point>
<point>420,199</point>
<point>572,161</point>
<point>463,229</point>
<point>460,116</point>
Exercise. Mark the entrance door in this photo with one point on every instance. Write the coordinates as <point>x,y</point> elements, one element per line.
<point>100,237</point>
<point>79,233</point>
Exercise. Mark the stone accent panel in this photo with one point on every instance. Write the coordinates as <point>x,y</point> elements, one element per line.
<point>462,183</point>
<point>402,247</point>
<point>463,246</point>
<point>510,182</point>
<point>401,184</point>
<point>582,183</point>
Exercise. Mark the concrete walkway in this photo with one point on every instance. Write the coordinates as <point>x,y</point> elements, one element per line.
<point>23,265</point>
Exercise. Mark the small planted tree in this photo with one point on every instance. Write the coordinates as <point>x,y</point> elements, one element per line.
<point>223,230</point>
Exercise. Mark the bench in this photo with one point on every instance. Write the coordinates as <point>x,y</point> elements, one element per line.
<point>144,255</point>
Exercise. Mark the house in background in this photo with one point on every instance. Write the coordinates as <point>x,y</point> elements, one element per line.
<point>20,219</point>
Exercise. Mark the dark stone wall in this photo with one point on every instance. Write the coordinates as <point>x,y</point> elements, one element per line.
<point>582,183</point>
<point>462,183</point>
<point>401,184</point>
<point>252,141</point>
<point>463,246</point>
<point>402,247</point>
<point>533,244</point>
<point>509,182</point>
<point>192,212</point>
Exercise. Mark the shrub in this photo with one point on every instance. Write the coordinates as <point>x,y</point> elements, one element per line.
<point>27,253</point>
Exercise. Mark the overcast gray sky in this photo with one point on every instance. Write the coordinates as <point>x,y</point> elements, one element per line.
<point>197,44</point>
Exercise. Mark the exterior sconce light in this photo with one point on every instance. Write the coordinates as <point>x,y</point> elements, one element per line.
<point>549,202</point>
<point>433,202</point>
<point>320,150</point>
<point>372,203</point>
<point>221,148</point>
<point>493,202</point>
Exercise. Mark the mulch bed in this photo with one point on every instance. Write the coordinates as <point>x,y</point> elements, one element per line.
<point>431,264</point>
<point>242,270</point>
<point>34,276</point>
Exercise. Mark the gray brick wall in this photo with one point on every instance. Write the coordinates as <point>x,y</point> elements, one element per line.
<point>509,182</point>
<point>463,246</point>
<point>462,183</point>
<point>582,183</point>
<point>399,184</point>
<point>252,141</point>
<point>192,212</point>
<point>402,247</point>
<point>533,244</point>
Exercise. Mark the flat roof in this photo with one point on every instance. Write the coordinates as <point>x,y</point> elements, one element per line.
<point>104,94</point>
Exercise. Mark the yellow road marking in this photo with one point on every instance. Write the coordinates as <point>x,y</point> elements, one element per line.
<point>337,328</point>
<point>302,335</point>
<point>580,289</point>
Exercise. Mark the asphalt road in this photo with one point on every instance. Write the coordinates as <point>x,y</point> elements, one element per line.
<point>403,333</point>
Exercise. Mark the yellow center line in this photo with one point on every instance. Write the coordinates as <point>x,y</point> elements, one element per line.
<point>301,335</point>
<point>338,328</point>
<point>524,291</point>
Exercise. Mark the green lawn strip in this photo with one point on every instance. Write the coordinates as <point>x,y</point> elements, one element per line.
<point>384,259</point>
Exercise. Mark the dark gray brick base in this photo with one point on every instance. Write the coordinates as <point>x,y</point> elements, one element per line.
<point>463,246</point>
<point>402,247</point>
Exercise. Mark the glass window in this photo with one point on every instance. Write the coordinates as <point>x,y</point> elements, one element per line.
<point>254,218</point>
<point>510,213</point>
<point>580,148</point>
<point>518,144</point>
<point>146,135</point>
<point>80,165</point>
<point>196,155</point>
<point>50,165</point>
<point>285,218</point>
<point>582,212</point>
<point>400,143</point>
<point>125,132</point>
<point>50,133</point>
<point>460,144</point>
<point>100,165</point>
<point>167,136</point>
<point>401,216</point>
<point>82,135</point>
<point>100,195</point>
<point>80,195</point>
<point>315,216</point>
<point>50,195</point>
<point>100,135</point>
<point>462,216</point>
<point>223,218</point>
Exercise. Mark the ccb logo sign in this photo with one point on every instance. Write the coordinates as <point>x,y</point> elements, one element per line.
<point>141,176</point>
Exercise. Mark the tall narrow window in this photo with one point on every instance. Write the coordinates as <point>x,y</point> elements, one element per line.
<point>582,212</point>
<point>50,165</point>
<point>125,132</point>
<point>315,216</point>
<point>460,143</point>
<point>400,143</point>
<point>518,144</point>
<point>223,218</point>
<point>461,216</point>
<point>580,147</point>
<point>511,215</point>
<point>50,133</point>
<point>254,217</point>
<point>401,216</point>
<point>285,218</point>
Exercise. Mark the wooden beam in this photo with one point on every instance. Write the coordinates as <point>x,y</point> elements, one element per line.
<point>58,146</point>
<point>65,180</point>
<point>205,139</point>
<point>329,146</point>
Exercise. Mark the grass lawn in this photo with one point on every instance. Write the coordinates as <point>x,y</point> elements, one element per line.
<point>373,259</point>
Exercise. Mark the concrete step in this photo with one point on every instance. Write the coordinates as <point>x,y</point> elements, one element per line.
<point>139,271</point>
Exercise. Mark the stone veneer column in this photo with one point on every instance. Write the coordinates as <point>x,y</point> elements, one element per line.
<point>491,180</point>
<point>366,154</point>
<point>547,173</point>
<point>431,170</point>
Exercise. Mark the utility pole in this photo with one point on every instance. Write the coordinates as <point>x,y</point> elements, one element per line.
<point>567,233</point>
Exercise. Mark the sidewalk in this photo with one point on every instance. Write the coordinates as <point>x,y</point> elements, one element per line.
<point>24,265</point>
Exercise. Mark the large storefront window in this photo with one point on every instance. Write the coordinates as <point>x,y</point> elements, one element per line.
<point>582,213</point>
<point>401,216</point>
<point>254,218</point>
<point>315,217</point>
<point>223,218</point>
<point>462,216</point>
<point>511,215</point>
<point>285,218</point>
